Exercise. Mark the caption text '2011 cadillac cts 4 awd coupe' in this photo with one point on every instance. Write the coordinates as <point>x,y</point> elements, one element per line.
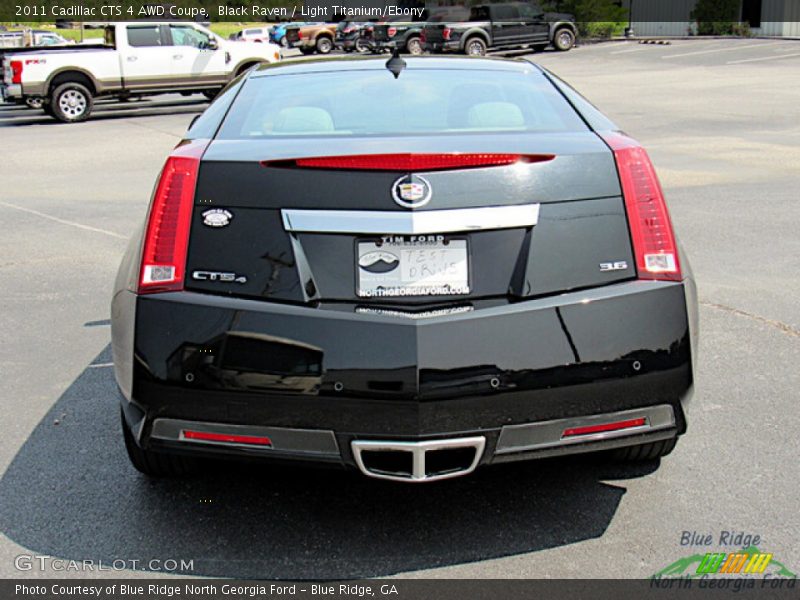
<point>412,268</point>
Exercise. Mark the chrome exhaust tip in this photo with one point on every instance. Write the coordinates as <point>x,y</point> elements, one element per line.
<point>415,462</point>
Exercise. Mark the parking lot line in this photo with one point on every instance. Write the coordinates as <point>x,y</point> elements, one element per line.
<point>639,48</point>
<point>726,49</point>
<point>63,221</point>
<point>747,60</point>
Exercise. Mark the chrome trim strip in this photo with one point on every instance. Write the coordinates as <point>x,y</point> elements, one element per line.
<point>316,442</point>
<point>547,434</point>
<point>410,223</point>
<point>418,450</point>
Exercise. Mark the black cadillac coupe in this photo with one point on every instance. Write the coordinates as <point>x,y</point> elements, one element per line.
<point>413,268</point>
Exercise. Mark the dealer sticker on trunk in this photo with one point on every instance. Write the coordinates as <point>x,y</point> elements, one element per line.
<point>425,265</point>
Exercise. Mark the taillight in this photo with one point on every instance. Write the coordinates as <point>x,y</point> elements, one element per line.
<point>446,32</point>
<point>408,162</point>
<point>604,427</point>
<point>423,36</point>
<point>651,230</point>
<point>391,32</point>
<point>226,438</point>
<point>169,220</point>
<point>299,35</point>
<point>16,71</point>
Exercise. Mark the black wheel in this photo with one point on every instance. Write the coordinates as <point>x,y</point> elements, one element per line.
<point>324,45</point>
<point>156,464</point>
<point>362,45</point>
<point>564,39</point>
<point>71,102</point>
<point>475,46</point>
<point>649,451</point>
<point>414,46</point>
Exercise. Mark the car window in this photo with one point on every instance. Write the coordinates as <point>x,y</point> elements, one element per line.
<point>529,11</point>
<point>374,103</point>
<point>183,35</point>
<point>479,13</point>
<point>505,12</point>
<point>140,36</point>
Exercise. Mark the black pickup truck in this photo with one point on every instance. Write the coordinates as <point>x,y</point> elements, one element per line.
<point>501,27</point>
<point>396,33</point>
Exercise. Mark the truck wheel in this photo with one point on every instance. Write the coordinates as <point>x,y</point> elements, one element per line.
<point>156,464</point>
<point>645,451</point>
<point>414,46</point>
<point>362,45</point>
<point>564,39</point>
<point>475,46</point>
<point>71,102</point>
<point>284,42</point>
<point>324,45</point>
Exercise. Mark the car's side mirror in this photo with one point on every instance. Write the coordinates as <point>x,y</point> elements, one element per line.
<point>212,44</point>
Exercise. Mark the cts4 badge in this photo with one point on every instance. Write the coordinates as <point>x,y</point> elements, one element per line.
<point>411,191</point>
<point>217,217</point>
<point>218,276</point>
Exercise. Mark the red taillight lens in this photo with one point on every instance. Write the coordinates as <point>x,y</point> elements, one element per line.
<point>630,423</point>
<point>226,438</point>
<point>391,32</point>
<point>651,230</point>
<point>299,35</point>
<point>423,36</point>
<point>16,71</point>
<point>446,32</point>
<point>408,162</point>
<point>168,223</point>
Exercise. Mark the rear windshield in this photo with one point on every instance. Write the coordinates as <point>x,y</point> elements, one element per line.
<point>420,102</point>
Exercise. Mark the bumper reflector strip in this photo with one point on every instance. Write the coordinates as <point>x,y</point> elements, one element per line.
<point>225,438</point>
<point>604,427</point>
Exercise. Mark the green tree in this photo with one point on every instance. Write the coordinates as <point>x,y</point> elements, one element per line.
<point>716,17</point>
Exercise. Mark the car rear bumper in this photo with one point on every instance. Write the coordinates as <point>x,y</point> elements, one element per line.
<point>515,374</point>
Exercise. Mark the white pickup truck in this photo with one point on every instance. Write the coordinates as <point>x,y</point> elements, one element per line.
<point>137,59</point>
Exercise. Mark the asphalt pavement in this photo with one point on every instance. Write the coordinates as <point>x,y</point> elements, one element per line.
<point>721,121</point>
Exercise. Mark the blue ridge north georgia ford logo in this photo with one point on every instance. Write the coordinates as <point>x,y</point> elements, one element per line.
<point>411,191</point>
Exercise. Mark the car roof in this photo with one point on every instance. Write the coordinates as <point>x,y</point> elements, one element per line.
<point>368,63</point>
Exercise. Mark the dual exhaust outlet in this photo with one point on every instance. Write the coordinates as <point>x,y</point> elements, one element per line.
<point>418,461</point>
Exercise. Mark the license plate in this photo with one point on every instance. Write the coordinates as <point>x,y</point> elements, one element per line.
<point>408,266</point>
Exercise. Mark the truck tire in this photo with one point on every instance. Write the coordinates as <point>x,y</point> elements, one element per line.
<point>642,452</point>
<point>156,464</point>
<point>564,39</point>
<point>414,46</point>
<point>324,44</point>
<point>475,46</point>
<point>362,45</point>
<point>71,102</point>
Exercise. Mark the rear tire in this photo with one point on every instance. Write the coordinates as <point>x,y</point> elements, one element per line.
<point>71,102</point>
<point>564,39</point>
<point>324,45</point>
<point>644,452</point>
<point>475,46</point>
<point>414,46</point>
<point>362,45</point>
<point>156,464</point>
